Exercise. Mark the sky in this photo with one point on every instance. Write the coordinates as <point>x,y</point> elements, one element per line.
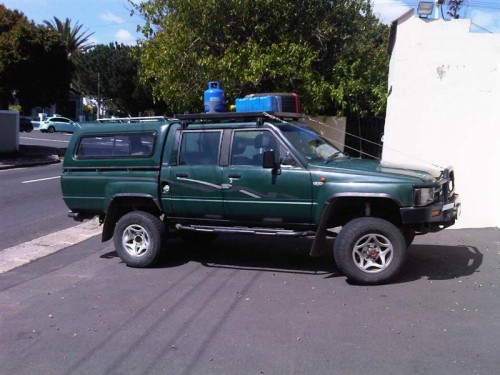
<point>484,14</point>
<point>110,20</point>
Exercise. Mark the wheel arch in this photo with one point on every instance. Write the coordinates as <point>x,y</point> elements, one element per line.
<point>341,208</point>
<point>122,204</point>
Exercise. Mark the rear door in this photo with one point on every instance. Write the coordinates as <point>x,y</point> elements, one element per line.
<point>259,196</point>
<point>194,186</point>
<point>61,124</point>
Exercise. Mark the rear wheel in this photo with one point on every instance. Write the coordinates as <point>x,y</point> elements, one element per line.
<point>138,238</point>
<point>370,250</point>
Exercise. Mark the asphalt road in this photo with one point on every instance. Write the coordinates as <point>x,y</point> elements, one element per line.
<point>31,204</point>
<point>254,305</point>
<point>30,198</point>
<point>37,138</point>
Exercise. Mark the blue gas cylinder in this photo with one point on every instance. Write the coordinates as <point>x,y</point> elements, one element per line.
<point>214,98</point>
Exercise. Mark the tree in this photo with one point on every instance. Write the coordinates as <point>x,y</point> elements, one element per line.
<point>332,53</point>
<point>117,66</point>
<point>34,67</point>
<point>74,38</point>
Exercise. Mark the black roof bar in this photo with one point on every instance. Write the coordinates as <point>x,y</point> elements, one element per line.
<point>236,116</point>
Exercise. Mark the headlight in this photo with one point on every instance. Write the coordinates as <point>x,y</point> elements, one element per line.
<point>424,196</point>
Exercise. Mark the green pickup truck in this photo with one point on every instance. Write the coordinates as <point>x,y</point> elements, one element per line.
<point>201,175</point>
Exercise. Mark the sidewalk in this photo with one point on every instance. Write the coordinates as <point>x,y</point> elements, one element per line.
<point>29,156</point>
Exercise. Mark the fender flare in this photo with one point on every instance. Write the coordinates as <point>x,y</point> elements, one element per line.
<point>319,244</point>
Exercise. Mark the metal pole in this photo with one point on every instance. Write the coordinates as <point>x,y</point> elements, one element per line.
<point>98,96</point>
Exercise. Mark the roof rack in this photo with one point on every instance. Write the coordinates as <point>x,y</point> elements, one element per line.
<point>130,119</point>
<point>236,116</point>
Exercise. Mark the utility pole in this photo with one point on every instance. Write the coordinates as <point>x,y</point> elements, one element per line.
<point>98,95</point>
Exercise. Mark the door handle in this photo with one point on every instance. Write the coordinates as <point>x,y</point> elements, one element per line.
<point>234,175</point>
<point>181,175</point>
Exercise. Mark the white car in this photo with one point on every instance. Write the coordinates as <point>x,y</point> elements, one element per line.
<point>57,124</point>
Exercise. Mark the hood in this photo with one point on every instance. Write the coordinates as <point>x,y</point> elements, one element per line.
<point>423,175</point>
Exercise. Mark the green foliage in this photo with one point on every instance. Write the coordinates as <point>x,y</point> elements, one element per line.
<point>74,38</point>
<point>33,62</point>
<point>332,53</point>
<point>87,109</point>
<point>114,67</point>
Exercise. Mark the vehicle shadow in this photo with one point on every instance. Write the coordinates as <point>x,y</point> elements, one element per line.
<point>287,255</point>
<point>438,262</point>
<point>291,255</point>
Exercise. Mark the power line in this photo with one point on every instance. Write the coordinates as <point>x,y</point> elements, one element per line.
<point>483,4</point>
<point>482,28</point>
<point>470,3</point>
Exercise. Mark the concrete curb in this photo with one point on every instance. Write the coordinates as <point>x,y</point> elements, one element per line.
<point>30,156</point>
<point>30,251</point>
<point>11,164</point>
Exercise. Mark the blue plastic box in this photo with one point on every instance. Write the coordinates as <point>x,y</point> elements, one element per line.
<point>269,103</point>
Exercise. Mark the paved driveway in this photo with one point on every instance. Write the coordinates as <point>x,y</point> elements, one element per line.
<point>254,305</point>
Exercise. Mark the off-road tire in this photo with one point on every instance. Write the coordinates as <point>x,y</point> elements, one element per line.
<point>370,250</point>
<point>138,238</point>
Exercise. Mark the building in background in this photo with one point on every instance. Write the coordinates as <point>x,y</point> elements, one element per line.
<point>444,107</point>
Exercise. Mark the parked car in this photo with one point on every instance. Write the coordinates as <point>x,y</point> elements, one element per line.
<point>25,124</point>
<point>57,124</point>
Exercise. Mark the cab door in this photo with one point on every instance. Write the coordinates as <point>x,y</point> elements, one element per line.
<point>259,196</point>
<point>193,188</point>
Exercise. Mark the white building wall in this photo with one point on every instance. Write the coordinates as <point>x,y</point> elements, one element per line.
<point>444,107</point>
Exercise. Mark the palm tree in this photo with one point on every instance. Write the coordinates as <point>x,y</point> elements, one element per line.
<point>75,39</point>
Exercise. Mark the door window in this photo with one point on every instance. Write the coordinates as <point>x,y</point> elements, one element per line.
<point>199,148</point>
<point>248,148</point>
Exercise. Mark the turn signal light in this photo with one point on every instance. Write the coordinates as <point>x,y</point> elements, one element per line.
<point>436,213</point>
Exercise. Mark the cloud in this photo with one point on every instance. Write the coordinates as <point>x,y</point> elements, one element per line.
<point>389,10</point>
<point>110,17</point>
<point>94,40</point>
<point>125,37</point>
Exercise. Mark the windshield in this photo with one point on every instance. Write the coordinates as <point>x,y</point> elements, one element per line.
<point>313,146</point>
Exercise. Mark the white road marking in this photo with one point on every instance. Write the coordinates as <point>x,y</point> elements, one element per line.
<point>26,252</point>
<point>40,179</point>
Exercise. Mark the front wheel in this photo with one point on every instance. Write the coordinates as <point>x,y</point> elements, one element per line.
<point>51,129</point>
<point>138,238</point>
<point>370,250</point>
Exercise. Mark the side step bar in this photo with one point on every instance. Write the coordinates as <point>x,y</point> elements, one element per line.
<point>244,230</point>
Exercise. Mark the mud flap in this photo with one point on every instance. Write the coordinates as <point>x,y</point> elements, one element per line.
<point>319,244</point>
